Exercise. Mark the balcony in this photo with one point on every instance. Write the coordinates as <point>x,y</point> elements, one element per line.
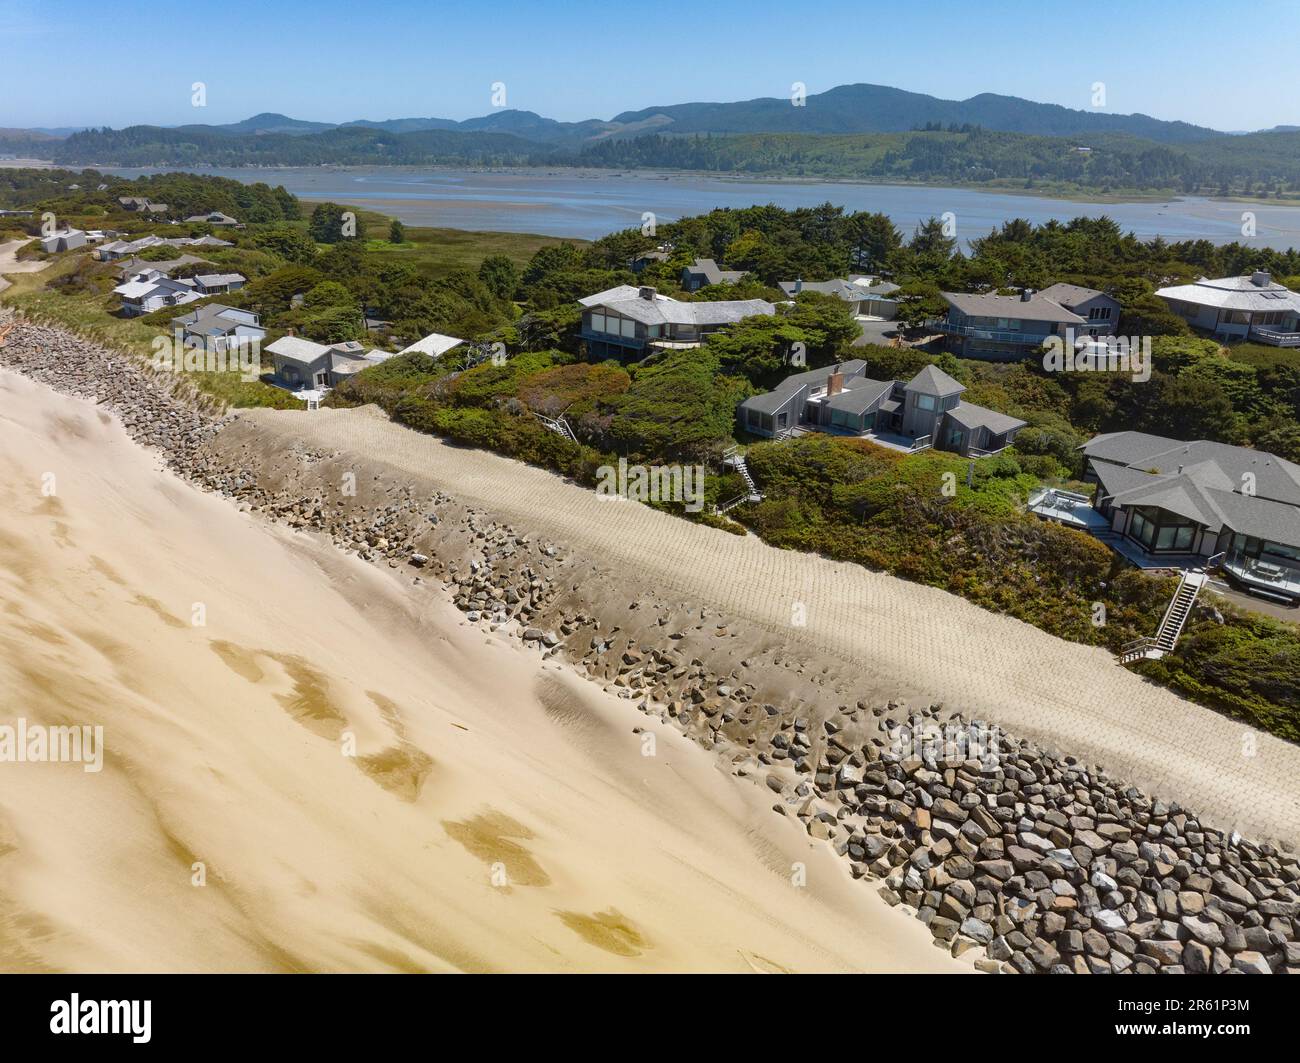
<point>990,335</point>
<point>1270,578</point>
<point>1275,337</point>
<point>1069,508</point>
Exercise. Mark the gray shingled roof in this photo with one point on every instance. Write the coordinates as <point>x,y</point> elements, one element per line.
<point>713,273</point>
<point>662,310</point>
<point>1274,477</point>
<point>862,396</point>
<point>1235,293</point>
<point>1069,295</point>
<point>846,290</point>
<point>1203,481</point>
<point>970,416</point>
<point>849,370</point>
<point>1035,308</point>
<point>934,381</point>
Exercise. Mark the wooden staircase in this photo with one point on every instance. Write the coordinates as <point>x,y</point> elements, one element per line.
<point>1171,625</point>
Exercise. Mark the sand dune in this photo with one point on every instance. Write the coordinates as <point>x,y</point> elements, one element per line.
<point>498,813</point>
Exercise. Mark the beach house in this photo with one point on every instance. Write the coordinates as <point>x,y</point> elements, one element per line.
<point>217,325</point>
<point>626,320</point>
<point>926,411</point>
<point>305,365</point>
<point>435,345</point>
<point>216,219</point>
<point>1170,502</point>
<point>1253,307</point>
<point>1005,328</point>
<point>150,293</point>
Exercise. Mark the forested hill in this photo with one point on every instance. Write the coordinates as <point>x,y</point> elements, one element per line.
<point>1255,164</point>
<point>881,109</point>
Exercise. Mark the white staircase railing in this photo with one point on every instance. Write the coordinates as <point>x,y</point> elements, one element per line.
<point>558,425</point>
<point>733,457</point>
<point>1171,624</point>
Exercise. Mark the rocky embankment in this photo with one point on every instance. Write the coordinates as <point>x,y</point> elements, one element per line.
<point>1026,859</point>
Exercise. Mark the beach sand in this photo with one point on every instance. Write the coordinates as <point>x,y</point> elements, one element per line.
<point>498,813</point>
<point>898,639</point>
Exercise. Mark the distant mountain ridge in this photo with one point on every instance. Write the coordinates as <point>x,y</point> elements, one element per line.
<point>860,108</point>
<point>881,109</point>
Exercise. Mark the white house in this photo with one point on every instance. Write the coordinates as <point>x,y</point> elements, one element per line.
<point>216,219</point>
<point>1254,307</point>
<point>628,320</point>
<point>435,345</point>
<point>154,293</point>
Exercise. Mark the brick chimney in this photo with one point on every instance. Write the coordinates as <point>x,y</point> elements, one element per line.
<point>1026,295</point>
<point>647,292</point>
<point>834,383</point>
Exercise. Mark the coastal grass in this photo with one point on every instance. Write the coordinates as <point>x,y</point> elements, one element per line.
<point>84,310</point>
<point>438,252</point>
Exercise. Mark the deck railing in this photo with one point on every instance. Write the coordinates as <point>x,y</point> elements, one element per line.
<point>1276,337</point>
<point>977,332</point>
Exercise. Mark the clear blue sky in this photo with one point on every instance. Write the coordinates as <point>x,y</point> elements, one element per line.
<point>75,62</point>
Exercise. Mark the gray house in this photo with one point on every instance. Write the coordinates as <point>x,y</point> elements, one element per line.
<point>63,240</point>
<point>704,271</point>
<point>1004,328</point>
<point>302,364</point>
<point>1254,307</point>
<point>633,321</point>
<point>142,204</point>
<point>926,411</point>
<point>217,325</point>
<point>865,299</point>
<point>1186,500</point>
<point>1099,311</point>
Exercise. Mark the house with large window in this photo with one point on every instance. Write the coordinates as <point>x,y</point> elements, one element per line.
<point>1005,328</point>
<point>1239,308</point>
<point>1182,501</point>
<point>926,411</point>
<point>632,321</point>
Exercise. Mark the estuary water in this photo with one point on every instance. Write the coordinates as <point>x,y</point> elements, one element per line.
<point>591,203</point>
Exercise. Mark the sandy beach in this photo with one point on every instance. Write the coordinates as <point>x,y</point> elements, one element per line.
<point>885,634</point>
<point>498,813</point>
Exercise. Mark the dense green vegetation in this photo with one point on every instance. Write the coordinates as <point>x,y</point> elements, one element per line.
<point>844,498</point>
